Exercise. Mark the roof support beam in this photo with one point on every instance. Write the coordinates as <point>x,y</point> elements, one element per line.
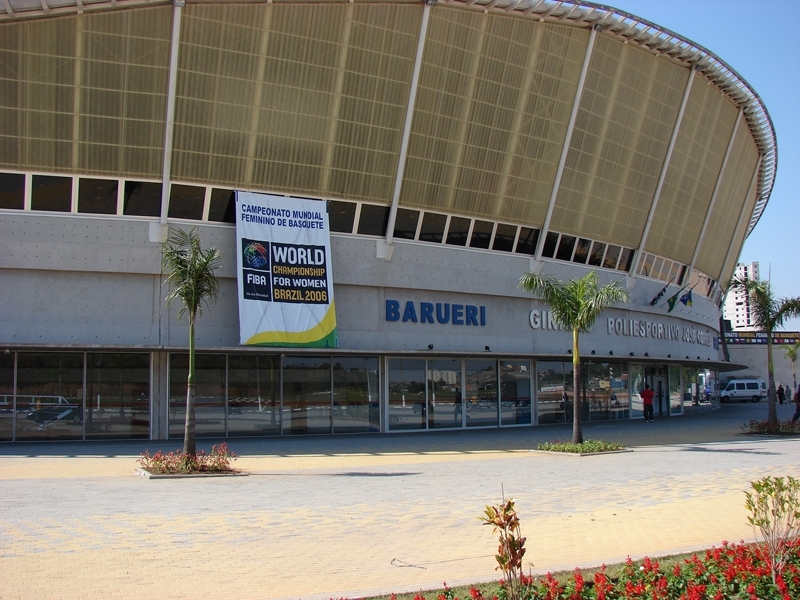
<point>663,175</point>
<point>412,100</point>
<point>562,161</point>
<point>715,192</point>
<point>169,121</point>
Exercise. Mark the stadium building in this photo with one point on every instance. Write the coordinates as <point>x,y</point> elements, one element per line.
<point>450,146</point>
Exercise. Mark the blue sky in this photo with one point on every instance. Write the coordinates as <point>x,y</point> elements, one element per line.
<point>760,41</point>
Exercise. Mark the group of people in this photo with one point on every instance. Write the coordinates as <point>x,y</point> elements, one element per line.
<point>785,395</point>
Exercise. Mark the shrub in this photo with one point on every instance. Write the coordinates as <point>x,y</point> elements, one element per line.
<point>587,447</point>
<point>784,427</point>
<point>774,507</point>
<point>504,519</point>
<point>219,461</point>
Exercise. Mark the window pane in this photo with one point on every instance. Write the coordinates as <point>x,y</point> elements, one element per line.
<point>481,234</point>
<point>432,229</point>
<point>49,396</point>
<point>550,387</point>
<point>405,226</point>
<point>528,238</point>
<point>625,259</point>
<point>306,395</point>
<point>646,266</point>
<point>117,396</point>
<point>341,216</point>
<point>12,190</point>
<point>550,242</point>
<point>356,406</point>
<point>636,387</point>
<point>606,392</point>
<point>612,254</point>
<point>504,237</point>
<point>407,403</point>
<point>223,207</point>
<point>458,231</point>
<point>515,392</point>
<point>565,247</point>
<point>209,392</point>
<point>254,395</point>
<point>6,395</point>
<point>675,401</point>
<point>51,193</point>
<point>596,255</point>
<point>582,251</point>
<point>98,196</point>
<point>373,219</point>
<point>142,199</point>
<point>186,202</point>
<point>481,392</point>
<point>444,394</point>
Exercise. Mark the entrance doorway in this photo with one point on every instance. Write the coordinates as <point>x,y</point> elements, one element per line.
<point>656,376</point>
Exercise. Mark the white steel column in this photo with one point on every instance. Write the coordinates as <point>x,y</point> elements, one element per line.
<point>663,174</point>
<point>412,99</point>
<point>169,122</point>
<point>735,235</point>
<point>716,191</point>
<point>562,161</point>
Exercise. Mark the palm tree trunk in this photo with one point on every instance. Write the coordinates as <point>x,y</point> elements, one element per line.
<point>577,433</point>
<point>772,415</point>
<point>189,442</point>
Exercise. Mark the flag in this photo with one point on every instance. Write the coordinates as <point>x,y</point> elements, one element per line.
<point>657,297</point>
<point>672,301</point>
<point>687,298</point>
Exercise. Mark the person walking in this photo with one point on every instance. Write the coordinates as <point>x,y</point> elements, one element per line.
<point>780,394</point>
<point>647,401</point>
<point>797,406</point>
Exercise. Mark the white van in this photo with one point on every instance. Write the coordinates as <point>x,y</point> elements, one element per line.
<point>743,390</point>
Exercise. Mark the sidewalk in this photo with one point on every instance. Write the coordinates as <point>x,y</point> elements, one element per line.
<point>327,517</point>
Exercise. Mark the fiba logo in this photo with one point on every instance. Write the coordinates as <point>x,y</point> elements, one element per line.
<point>255,255</point>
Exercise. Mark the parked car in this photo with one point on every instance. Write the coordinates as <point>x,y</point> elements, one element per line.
<point>54,408</point>
<point>743,390</point>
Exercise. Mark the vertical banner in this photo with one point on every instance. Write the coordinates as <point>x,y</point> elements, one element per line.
<point>284,272</point>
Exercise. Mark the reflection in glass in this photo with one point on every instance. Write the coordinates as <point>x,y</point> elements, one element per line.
<point>458,231</point>
<point>407,402</point>
<point>481,392</point>
<point>117,396</point>
<point>515,392</point>
<point>186,201</point>
<point>307,395</point>
<point>142,199</point>
<point>675,404</point>
<point>50,192</point>
<point>606,391</point>
<point>565,247</point>
<point>612,255</point>
<point>691,397</point>
<point>253,395</point>
<point>98,196</point>
<point>636,387</point>
<point>209,392</point>
<point>625,259</point>
<point>222,206</point>
<point>582,251</point>
<point>550,406</point>
<point>49,396</point>
<point>342,216</point>
<point>481,234</point>
<point>432,229</point>
<point>6,396</point>
<point>550,242</point>
<point>445,404</point>
<point>526,244</point>
<point>596,255</point>
<point>405,225</point>
<point>355,395</point>
<point>12,190</point>
<point>504,237</point>
<point>373,219</point>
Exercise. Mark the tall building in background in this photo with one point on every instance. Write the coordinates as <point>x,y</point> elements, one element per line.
<point>737,305</point>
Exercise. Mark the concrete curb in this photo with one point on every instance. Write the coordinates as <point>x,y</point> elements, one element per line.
<point>148,475</point>
<point>579,454</point>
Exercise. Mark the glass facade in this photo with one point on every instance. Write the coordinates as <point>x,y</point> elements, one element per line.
<point>106,395</point>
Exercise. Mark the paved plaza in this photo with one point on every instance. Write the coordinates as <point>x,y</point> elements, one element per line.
<point>326,517</point>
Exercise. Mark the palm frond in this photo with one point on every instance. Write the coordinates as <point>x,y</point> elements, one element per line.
<point>190,271</point>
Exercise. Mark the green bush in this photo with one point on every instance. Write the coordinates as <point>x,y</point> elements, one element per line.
<point>587,447</point>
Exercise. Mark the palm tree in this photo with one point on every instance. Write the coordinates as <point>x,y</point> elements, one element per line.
<point>190,275</point>
<point>575,306</point>
<point>768,314</point>
<point>791,354</point>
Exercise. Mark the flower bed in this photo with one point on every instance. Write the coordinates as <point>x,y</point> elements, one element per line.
<point>179,462</point>
<point>587,447</point>
<point>732,572</point>
<point>784,427</point>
